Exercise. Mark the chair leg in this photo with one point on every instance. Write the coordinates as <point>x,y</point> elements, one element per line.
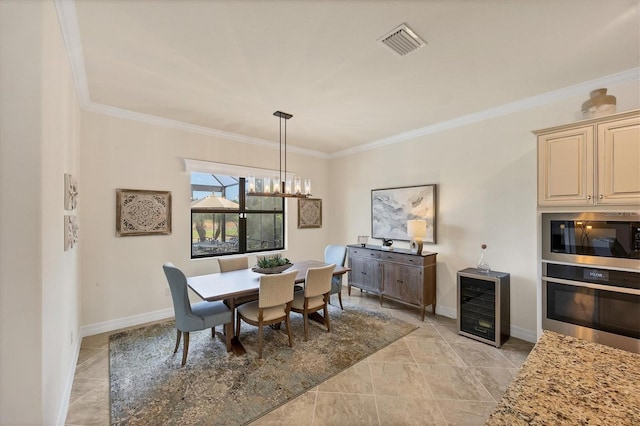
<point>260,340</point>
<point>213,332</point>
<point>288,324</point>
<point>305,314</point>
<point>326,317</point>
<point>340,298</point>
<point>177,341</point>
<point>185,348</point>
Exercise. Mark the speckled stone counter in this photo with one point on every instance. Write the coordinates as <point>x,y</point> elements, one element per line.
<point>569,381</point>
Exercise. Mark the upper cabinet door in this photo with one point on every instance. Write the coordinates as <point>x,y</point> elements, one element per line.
<point>565,167</point>
<point>619,162</point>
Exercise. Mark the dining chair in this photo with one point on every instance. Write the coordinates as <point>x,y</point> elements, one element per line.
<point>337,255</point>
<point>317,286</point>
<point>272,307</point>
<point>197,316</point>
<point>227,264</point>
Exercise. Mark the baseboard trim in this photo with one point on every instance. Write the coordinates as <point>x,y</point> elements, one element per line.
<point>120,323</point>
<point>64,407</point>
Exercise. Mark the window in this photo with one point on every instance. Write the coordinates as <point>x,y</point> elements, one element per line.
<point>224,220</point>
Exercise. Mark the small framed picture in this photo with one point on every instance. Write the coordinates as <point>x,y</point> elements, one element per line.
<point>309,213</point>
<point>141,212</point>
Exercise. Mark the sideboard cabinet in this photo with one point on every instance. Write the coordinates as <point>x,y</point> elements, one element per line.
<point>397,274</point>
<point>591,162</point>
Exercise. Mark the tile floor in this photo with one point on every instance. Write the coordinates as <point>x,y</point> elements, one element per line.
<point>431,376</point>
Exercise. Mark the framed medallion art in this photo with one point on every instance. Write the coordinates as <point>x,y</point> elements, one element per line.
<point>309,213</point>
<point>391,208</point>
<point>141,212</point>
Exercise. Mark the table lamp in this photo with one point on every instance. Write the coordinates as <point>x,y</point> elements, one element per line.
<point>417,230</point>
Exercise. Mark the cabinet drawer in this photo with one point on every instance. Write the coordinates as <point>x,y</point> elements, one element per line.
<point>402,258</point>
<point>363,252</point>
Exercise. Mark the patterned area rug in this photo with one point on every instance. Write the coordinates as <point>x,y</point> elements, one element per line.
<point>148,386</point>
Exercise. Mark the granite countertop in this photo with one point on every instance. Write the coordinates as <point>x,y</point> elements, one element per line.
<point>570,381</point>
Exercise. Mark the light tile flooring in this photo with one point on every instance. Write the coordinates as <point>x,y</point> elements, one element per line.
<point>431,376</point>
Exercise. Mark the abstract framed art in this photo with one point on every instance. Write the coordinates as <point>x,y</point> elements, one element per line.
<point>141,212</point>
<point>391,208</point>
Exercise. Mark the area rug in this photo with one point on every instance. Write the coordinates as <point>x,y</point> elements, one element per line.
<point>148,386</point>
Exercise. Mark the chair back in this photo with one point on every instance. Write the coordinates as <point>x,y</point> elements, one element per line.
<point>233,263</point>
<point>181,305</point>
<point>335,254</point>
<point>276,289</point>
<point>318,281</point>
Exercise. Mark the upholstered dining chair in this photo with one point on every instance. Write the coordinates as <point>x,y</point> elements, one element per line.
<point>273,305</point>
<point>197,316</point>
<point>233,263</point>
<point>315,296</point>
<point>337,255</point>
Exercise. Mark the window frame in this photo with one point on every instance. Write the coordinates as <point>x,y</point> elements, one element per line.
<point>240,172</point>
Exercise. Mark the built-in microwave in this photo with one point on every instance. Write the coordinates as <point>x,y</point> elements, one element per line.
<point>610,239</point>
<point>591,277</point>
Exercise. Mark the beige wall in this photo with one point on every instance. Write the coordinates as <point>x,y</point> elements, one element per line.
<point>122,276</point>
<point>486,177</point>
<point>39,291</point>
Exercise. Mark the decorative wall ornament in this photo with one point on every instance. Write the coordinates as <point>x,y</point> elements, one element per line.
<point>141,212</point>
<point>309,213</point>
<point>70,192</point>
<point>70,231</point>
<point>391,208</point>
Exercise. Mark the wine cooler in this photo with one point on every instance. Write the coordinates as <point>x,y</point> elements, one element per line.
<point>483,306</point>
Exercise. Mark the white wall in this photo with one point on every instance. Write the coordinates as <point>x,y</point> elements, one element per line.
<point>486,176</point>
<point>39,291</point>
<point>122,277</point>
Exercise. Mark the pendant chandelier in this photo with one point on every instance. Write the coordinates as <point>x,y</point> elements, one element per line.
<point>276,186</point>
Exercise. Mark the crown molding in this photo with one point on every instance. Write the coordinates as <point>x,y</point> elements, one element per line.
<point>506,109</point>
<point>68,20</point>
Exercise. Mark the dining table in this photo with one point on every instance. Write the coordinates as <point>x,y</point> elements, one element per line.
<point>242,285</point>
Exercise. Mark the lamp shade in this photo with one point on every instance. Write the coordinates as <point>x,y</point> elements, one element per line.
<point>417,228</point>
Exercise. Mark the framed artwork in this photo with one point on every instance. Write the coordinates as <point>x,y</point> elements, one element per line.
<point>70,231</point>
<point>70,192</point>
<point>140,212</point>
<point>392,207</point>
<point>309,213</point>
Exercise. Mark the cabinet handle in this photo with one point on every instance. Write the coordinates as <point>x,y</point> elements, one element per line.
<point>589,197</point>
<point>601,196</point>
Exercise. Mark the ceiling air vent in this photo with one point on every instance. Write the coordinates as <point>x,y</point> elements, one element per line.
<point>402,40</point>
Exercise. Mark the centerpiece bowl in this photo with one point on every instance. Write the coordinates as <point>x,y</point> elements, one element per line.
<point>272,265</point>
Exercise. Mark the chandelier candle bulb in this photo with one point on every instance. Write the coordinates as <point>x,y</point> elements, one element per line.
<point>307,187</point>
<point>251,180</point>
<point>287,186</point>
<point>276,184</point>
<point>266,184</point>
<point>297,187</point>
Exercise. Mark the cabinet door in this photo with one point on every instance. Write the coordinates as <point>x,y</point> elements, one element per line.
<point>565,167</point>
<point>619,162</point>
<point>365,273</point>
<point>403,282</point>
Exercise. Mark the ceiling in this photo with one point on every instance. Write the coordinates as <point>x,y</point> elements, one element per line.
<point>227,65</point>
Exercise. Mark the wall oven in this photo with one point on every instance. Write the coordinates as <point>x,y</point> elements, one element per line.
<point>591,277</point>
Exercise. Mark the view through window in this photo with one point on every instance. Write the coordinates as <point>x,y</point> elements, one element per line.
<point>225,220</point>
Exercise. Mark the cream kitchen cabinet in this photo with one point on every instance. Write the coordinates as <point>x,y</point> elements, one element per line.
<point>591,162</point>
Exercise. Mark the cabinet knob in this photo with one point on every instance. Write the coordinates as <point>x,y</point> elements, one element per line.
<point>601,196</point>
<point>589,197</point>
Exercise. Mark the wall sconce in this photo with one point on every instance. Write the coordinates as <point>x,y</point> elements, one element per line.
<point>417,230</point>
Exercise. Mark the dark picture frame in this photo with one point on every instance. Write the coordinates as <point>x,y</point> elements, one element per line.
<point>142,212</point>
<point>309,213</point>
<point>391,208</point>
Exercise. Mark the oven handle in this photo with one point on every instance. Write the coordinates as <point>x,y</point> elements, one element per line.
<point>593,286</point>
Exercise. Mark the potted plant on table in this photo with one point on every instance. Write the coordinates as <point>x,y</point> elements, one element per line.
<point>271,264</point>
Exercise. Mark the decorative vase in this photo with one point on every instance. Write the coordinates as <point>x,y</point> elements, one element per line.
<point>483,266</point>
<point>599,104</point>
